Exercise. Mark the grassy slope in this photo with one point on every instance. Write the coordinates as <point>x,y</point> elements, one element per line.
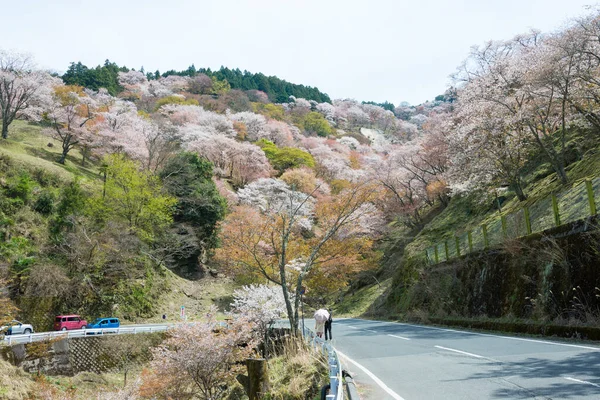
<point>26,144</point>
<point>466,213</point>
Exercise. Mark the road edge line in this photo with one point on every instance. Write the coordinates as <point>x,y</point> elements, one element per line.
<point>371,375</point>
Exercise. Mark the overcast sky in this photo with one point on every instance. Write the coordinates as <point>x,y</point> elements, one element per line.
<point>395,50</point>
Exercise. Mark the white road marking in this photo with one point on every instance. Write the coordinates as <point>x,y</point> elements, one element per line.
<point>368,330</point>
<point>580,381</point>
<point>371,375</point>
<point>459,351</point>
<point>352,327</point>
<point>399,337</point>
<point>502,337</point>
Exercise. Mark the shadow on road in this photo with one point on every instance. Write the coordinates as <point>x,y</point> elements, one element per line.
<point>583,366</point>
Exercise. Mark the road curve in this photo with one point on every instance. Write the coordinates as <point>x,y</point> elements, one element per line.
<point>413,362</point>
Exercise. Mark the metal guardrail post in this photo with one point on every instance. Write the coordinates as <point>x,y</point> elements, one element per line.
<point>591,199</point>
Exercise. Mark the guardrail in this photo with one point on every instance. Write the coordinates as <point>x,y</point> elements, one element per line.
<point>336,382</point>
<point>36,337</point>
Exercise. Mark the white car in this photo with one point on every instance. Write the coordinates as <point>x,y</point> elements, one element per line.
<point>15,327</point>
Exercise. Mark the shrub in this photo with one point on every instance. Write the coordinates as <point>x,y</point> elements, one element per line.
<point>283,158</point>
<point>21,188</point>
<point>44,204</point>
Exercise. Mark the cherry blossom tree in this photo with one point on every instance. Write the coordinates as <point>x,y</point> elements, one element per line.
<point>200,84</point>
<point>70,116</point>
<point>200,359</point>
<point>262,305</point>
<point>24,91</point>
<point>255,124</point>
<point>487,150</point>
<point>240,162</point>
<point>514,75</point>
<point>204,121</point>
<point>264,244</point>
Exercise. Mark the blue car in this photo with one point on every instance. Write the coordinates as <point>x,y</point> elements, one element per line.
<point>104,323</point>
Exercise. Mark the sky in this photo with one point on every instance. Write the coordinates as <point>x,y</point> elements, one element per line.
<point>369,50</point>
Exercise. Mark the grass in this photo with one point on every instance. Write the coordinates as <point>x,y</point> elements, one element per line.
<point>196,295</point>
<point>27,144</point>
<point>362,301</point>
<point>298,373</point>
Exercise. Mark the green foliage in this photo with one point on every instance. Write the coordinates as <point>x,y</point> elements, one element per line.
<point>315,123</point>
<point>386,105</point>
<point>189,178</point>
<point>21,187</point>
<point>44,204</point>
<point>175,100</point>
<point>270,110</point>
<point>278,90</point>
<point>105,76</point>
<point>134,196</point>
<point>220,86</point>
<point>72,202</point>
<point>283,158</point>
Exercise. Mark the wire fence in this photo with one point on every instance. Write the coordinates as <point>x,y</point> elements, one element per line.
<point>576,203</point>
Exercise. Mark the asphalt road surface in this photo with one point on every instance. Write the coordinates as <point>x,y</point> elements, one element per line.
<point>411,362</point>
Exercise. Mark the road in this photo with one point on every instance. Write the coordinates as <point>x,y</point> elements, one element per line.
<point>124,329</point>
<point>409,362</point>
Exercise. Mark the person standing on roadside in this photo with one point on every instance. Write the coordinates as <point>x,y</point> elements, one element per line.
<point>328,325</point>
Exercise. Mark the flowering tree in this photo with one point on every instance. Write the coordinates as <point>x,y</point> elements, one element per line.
<point>70,116</point>
<point>200,359</point>
<point>519,77</point>
<point>262,305</point>
<point>264,244</point>
<point>487,149</point>
<point>202,120</point>
<point>241,162</point>
<point>24,92</point>
<point>255,124</point>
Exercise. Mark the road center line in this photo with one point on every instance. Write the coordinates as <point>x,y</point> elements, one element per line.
<point>459,351</point>
<point>368,330</point>
<point>399,337</point>
<point>371,375</point>
<point>580,381</point>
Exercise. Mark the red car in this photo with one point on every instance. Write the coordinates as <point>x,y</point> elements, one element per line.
<point>69,322</point>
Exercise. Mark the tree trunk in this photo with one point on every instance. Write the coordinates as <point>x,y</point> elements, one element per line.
<point>258,378</point>
<point>63,157</point>
<point>519,191</point>
<point>4,129</point>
